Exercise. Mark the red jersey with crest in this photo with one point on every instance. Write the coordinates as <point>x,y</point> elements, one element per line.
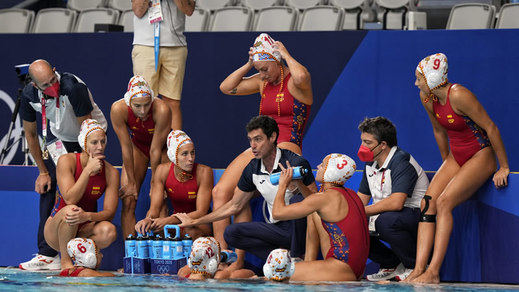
<point>290,114</point>
<point>94,190</point>
<point>182,195</point>
<point>141,131</point>
<point>349,238</point>
<point>466,138</point>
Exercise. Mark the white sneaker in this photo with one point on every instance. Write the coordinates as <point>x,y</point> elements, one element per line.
<point>41,262</point>
<point>402,276</point>
<point>386,274</point>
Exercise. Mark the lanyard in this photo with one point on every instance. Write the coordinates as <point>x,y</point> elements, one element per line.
<point>155,18</point>
<point>156,39</point>
<point>44,118</point>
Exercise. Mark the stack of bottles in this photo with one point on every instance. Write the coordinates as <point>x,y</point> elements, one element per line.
<point>156,254</point>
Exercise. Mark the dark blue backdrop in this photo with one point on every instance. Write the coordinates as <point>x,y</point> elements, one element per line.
<point>214,121</point>
<point>354,74</point>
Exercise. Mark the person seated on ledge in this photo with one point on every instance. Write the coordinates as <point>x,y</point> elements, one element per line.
<point>342,216</point>
<point>187,184</point>
<point>469,142</point>
<point>142,123</point>
<point>206,261</point>
<point>86,257</point>
<point>259,238</point>
<point>82,179</point>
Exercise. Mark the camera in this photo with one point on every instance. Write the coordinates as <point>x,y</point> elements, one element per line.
<point>22,71</point>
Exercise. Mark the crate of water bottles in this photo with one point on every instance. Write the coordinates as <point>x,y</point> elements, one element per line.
<point>156,254</point>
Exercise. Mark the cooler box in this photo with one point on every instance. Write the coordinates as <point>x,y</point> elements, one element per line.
<point>136,266</point>
<point>170,267</point>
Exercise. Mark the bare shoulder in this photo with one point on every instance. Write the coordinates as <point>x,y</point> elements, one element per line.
<point>110,170</point>
<point>459,91</point>
<point>67,159</point>
<point>119,110</point>
<point>163,167</point>
<point>462,98</point>
<point>201,168</point>
<point>118,105</point>
<point>204,170</point>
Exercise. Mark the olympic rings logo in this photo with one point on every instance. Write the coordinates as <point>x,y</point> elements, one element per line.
<point>162,269</point>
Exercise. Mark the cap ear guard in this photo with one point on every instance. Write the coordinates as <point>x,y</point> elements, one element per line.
<point>205,256</point>
<point>279,265</point>
<point>83,252</point>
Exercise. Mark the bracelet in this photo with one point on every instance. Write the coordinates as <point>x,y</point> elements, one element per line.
<point>42,173</point>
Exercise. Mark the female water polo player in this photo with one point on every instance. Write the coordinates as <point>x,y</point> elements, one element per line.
<point>142,124</point>
<point>187,184</point>
<point>469,141</point>
<point>86,257</point>
<point>286,95</point>
<point>342,216</point>
<point>82,179</point>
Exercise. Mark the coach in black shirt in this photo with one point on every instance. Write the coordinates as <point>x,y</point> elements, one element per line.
<point>260,238</point>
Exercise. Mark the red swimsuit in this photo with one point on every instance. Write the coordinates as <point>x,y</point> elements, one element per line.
<point>71,272</point>
<point>94,190</point>
<point>349,238</point>
<point>141,131</point>
<point>290,114</point>
<point>182,195</point>
<point>466,138</point>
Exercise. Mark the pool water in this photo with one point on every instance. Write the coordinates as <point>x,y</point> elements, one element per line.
<point>13,279</point>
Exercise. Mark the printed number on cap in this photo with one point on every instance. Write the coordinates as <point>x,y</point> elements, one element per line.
<point>344,163</point>
<point>209,251</point>
<point>81,248</point>
<point>436,64</point>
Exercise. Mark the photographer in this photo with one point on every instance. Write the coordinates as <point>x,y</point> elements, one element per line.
<point>64,102</point>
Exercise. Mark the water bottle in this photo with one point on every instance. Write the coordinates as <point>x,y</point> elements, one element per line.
<point>299,171</point>
<point>142,247</point>
<point>166,248</point>
<point>177,250</point>
<point>171,226</point>
<point>129,247</point>
<point>187,242</point>
<point>228,256</point>
<point>150,244</point>
<point>157,247</point>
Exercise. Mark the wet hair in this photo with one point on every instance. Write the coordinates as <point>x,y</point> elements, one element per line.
<point>381,128</point>
<point>266,123</point>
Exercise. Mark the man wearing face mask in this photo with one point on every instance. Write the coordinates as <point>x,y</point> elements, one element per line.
<point>64,102</point>
<point>396,183</point>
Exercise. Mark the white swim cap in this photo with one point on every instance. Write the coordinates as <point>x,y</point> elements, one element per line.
<point>137,87</point>
<point>82,251</point>
<point>434,69</point>
<point>339,168</point>
<point>87,127</point>
<point>205,256</point>
<point>263,49</point>
<point>176,139</point>
<point>279,265</point>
